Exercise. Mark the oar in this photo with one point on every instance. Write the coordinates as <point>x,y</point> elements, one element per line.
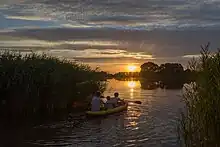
<point>136,102</point>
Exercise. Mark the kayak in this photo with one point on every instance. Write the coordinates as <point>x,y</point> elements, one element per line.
<point>109,111</point>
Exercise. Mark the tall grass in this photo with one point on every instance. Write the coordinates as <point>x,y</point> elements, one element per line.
<point>199,124</point>
<point>40,84</point>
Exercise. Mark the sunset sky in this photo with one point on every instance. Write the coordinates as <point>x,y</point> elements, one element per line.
<point>111,33</point>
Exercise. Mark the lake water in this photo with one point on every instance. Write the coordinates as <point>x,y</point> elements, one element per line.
<point>151,124</point>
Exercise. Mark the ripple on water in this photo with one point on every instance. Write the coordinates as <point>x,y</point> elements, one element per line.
<point>151,124</point>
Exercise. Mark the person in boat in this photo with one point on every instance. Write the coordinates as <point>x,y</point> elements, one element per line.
<point>109,103</point>
<point>116,100</point>
<point>104,100</point>
<point>96,102</point>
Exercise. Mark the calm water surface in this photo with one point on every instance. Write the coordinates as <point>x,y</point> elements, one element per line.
<point>153,123</point>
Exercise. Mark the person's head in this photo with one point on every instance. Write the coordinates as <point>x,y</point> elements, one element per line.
<point>116,94</point>
<point>98,94</point>
<point>108,97</point>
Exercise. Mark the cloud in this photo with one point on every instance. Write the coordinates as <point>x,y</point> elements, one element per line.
<point>6,30</point>
<point>5,2</point>
<point>117,19</point>
<point>18,42</point>
<point>121,14</point>
<point>192,56</point>
<point>32,18</point>
<point>88,54</point>
<point>162,28</point>
<point>27,43</point>
<point>95,54</point>
<point>159,43</point>
<point>91,43</point>
<point>17,21</point>
<point>80,26</point>
<point>158,30</point>
<point>112,52</point>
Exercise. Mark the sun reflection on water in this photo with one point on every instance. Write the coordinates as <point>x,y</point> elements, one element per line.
<point>131,93</point>
<point>132,84</point>
<point>133,116</point>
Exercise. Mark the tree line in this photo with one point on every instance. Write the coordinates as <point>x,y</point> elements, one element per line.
<point>171,75</point>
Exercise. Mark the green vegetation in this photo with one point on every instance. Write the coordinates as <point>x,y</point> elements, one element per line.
<point>199,124</point>
<point>39,84</point>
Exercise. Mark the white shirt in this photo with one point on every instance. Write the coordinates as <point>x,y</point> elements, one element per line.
<point>104,100</point>
<point>109,104</point>
<point>96,102</point>
<point>115,100</point>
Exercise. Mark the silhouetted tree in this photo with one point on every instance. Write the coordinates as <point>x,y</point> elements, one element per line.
<point>149,67</point>
<point>169,74</point>
<point>171,69</point>
<point>149,70</point>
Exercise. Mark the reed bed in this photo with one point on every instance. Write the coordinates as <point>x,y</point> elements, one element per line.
<point>41,84</point>
<point>199,124</point>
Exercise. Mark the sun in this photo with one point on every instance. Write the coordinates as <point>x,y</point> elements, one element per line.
<point>131,68</point>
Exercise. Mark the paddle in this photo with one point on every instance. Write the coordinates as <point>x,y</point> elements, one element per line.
<point>136,102</point>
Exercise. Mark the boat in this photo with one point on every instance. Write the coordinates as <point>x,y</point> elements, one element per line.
<point>107,112</point>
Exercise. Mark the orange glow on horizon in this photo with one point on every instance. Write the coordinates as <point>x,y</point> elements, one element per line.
<point>116,67</point>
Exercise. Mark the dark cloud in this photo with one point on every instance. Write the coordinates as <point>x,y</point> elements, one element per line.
<point>110,60</point>
<point>83,47</point>
<point>159,43</point>
<point>117,19</point>
<point>146,14</point>
<point>165,29</point>
<point>18,22</point>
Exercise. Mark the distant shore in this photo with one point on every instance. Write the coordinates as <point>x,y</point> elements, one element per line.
<point>168,75</point>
